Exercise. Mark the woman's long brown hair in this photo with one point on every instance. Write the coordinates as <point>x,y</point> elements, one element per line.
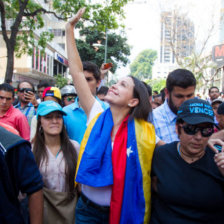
<point>69,153</point>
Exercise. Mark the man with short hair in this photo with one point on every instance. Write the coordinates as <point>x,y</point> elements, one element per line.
<point>157,101</point>
<point>40,89</point>
<point>220,116</point>
<point>18,172</point>
<point>76,119</point>
<point>213,93</point>
<point>215,105</point>
<point>10,115</point>
<point>102,92</point>
<point>27,100</point>
<point>180,86</point>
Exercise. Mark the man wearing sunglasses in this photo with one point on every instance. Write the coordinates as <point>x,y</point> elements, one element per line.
<point>187,176</point>
<point>27,100</point>
<point>68,94</point>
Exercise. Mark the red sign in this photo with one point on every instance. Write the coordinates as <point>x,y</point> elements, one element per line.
<point>218,54</point>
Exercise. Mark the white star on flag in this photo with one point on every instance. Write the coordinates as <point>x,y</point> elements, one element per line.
<point>129,151</point>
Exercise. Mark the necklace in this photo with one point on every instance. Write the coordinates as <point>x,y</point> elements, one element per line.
<point>192,158</point>
<point>58,152</point>
<point>53,152</point>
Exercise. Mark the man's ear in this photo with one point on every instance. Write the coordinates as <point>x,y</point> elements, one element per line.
<point>150,99</point>
<point>167,93</point>
<point>133,102</point>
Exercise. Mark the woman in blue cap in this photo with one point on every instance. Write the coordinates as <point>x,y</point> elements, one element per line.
<point>56,156</point>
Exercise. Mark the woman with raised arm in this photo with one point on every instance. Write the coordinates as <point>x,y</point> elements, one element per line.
<point>115,156</point>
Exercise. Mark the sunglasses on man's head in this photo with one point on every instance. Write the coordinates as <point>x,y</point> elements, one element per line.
<point>70,98</point>
<point>22,90</point>
<point>193,129</point>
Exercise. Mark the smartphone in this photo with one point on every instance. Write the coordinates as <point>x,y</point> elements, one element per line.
<point>218,147</point>
<point>28,89</point>
<point>108,65</point>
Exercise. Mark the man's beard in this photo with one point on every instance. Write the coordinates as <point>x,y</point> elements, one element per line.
<point>171,105</point>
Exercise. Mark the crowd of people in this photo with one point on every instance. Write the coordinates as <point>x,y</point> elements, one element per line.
<point>91,154</point>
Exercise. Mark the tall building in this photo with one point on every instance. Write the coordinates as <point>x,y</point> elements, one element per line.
<point>176,41</point>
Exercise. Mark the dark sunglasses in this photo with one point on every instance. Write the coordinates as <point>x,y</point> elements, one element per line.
<point>25,90</point>
<point>70,98</point>
<point>193,129</point>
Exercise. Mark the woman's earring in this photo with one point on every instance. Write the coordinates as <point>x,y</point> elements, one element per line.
<point>129,105</point>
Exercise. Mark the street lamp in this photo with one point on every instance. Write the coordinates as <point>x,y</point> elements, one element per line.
<point>101,45</point>
<point>105,51</point>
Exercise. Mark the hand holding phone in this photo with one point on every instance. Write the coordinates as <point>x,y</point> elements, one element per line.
<point>218,147</point>
<point>107,66</point>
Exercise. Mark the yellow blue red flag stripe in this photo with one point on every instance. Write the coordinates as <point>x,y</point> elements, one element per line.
<point>96,150</point>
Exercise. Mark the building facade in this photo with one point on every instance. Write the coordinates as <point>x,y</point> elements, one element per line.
<point>41,65</point>
<point>176,41</point>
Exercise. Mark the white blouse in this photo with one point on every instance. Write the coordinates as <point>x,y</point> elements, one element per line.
<point>53,170</point>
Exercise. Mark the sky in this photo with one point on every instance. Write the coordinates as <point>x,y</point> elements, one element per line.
<point>142,23</point>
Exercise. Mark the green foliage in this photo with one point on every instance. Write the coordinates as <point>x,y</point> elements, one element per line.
<point>157,84</point>
<point>61,81</point>
<point>142,65</point>
<point>27,17</point>
<point>117,48</point>
<point>100,15</point>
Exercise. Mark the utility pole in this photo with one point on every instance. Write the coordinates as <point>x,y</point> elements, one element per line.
<point>105,50</point>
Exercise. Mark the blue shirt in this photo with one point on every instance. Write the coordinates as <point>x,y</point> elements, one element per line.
<point>75,121</point>
<point>164,121</point>
<point>29,111</point>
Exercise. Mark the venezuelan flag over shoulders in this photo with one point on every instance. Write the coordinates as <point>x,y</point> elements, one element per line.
<point>137,197</point>
<point>127,168</point>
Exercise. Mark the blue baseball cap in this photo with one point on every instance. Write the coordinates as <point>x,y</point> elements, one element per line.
<point>196,111</point>
<point>47,107</point>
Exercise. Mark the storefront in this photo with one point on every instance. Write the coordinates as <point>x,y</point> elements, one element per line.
<point>218,58</point>
<point>60,65</point>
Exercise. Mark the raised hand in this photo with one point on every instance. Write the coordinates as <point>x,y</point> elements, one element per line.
<point>72,22</point>
<point>86,99</point>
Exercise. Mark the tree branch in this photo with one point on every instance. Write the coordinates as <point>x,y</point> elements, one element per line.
<point>207,39</point>
<point>18,20</point>
<point>42,10</point>
<point>4,32</point>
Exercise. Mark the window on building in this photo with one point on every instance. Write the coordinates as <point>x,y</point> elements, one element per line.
<point>62,46</point>
<point>58,32</point>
